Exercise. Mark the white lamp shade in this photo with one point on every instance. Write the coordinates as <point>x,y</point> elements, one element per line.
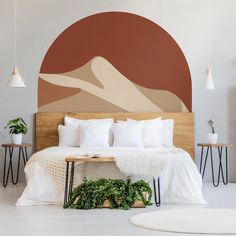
<point>209,82</point>
<point>16,81</point>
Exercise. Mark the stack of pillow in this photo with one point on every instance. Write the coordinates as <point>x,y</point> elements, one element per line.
<point>154,133</point>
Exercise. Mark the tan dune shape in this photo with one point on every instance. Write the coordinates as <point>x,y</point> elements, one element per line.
<point>86,102</point>
<point>117,90</point>
<point>81,102</point>
<point>166,100</point>
<point>86,74</point>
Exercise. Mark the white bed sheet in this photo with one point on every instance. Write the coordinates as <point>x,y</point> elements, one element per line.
<point>181,182</point>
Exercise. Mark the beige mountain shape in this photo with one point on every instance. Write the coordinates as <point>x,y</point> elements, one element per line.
<point>104,88</point>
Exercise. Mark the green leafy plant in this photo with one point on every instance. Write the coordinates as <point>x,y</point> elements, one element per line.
<point>211,125</point>
<point>17,126</point>
<point>122,195</point>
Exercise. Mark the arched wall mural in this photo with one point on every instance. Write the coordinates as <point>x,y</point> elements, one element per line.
<point>114,62</point>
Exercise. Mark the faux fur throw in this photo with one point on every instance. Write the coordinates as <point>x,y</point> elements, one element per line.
<point>140,163</point>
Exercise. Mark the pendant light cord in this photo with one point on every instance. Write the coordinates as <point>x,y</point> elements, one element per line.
<point>208,31</point>
<point>15,34</point>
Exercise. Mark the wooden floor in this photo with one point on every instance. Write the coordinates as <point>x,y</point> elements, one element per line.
<point>53,220</point>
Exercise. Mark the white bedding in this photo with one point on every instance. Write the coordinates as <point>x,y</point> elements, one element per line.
<point>181,182</point>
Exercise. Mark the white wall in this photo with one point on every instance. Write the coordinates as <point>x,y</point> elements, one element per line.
<point>39,22</point>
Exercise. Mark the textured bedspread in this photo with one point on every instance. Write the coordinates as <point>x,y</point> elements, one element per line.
<point>181,182</point>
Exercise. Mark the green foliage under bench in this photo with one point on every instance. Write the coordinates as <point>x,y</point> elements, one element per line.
<point>116,192</point>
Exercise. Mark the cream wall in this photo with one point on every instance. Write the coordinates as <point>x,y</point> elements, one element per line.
<point>40,22</point>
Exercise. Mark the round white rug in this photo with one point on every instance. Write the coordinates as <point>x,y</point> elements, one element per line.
<point>194,221</point>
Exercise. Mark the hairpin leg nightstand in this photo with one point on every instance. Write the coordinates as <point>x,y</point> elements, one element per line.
<point>220,148</point>
<point>9,149</point>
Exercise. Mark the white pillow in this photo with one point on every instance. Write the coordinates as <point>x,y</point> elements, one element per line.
<point>151,133</point>
<point>167,132</point>
<point>127,134</point>
<point>69,121</point>
<point>76,122</point>
<point>94,134</point>
<point>68,136</point>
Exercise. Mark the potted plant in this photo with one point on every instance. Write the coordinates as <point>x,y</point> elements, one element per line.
<point>17,128</point>
<point>110,193</point>
<point>212,137</point>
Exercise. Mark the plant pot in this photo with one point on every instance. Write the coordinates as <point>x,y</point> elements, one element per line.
<point>16,139</point>
<point>212,138</point>
<point>137,203</point>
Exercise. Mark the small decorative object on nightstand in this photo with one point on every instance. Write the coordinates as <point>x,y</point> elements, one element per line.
<point>17,128</point>
<point>9,148</point>
<point>220,147</point>
<point>212,137</point>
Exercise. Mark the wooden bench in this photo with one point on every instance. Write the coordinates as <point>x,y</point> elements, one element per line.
<point>70,166</point>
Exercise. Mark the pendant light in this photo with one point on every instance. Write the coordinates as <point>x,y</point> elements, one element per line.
<point>209,82</point>
<point>15,80</point>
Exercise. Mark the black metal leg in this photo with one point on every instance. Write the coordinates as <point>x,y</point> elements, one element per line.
<point>221,170</point>
<point>7,170</point>
<point>71,177</point>
<point>18,167</point>
<point>225,176</point>
<point>224,179</point>
<point>226,167</point>
<point>157,202</point>
<point>9,166</point>
<point>26,154</point>
<point>216,184</point>
<point>206,157</point>
<point>66,183</point>
<point>201,159</point>
<point>5,180</point>
<point>212,169</point>
<point>220,165</point>
<point>11,150</point>
<point>23,156</point>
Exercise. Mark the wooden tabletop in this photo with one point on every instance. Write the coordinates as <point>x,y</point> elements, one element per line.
<point>215,145</point>
<point>89,159</point>
<point>15,145</point>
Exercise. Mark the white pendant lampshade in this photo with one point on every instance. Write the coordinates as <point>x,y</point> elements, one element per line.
<point>209,82</point>
<point>16,81</point>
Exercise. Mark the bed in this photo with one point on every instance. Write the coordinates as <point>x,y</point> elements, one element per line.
<point>181,181</point>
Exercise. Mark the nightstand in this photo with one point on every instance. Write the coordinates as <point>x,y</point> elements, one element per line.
<point>22,154</point>
<point>220,148</point>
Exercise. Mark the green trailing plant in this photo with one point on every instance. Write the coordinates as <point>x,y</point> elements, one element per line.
<point>211,125</point>
<point>17,126</point>
<point>121,194</point>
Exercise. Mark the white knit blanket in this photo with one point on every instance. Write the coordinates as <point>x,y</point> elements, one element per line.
<point>45,172</point>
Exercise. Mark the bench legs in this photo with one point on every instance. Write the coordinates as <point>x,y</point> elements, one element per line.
<point>70,166</point>
<point>69,183</point>
<point>157,191</point>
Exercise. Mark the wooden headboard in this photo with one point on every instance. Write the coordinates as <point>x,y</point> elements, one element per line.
<point>47,123</point>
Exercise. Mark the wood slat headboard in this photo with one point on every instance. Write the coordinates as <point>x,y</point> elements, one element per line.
<point>47,123</point>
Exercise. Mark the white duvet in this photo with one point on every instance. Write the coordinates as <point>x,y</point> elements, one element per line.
<point>181,182</point>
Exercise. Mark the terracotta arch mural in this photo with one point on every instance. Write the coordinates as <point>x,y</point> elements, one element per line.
<point>114,61</point>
